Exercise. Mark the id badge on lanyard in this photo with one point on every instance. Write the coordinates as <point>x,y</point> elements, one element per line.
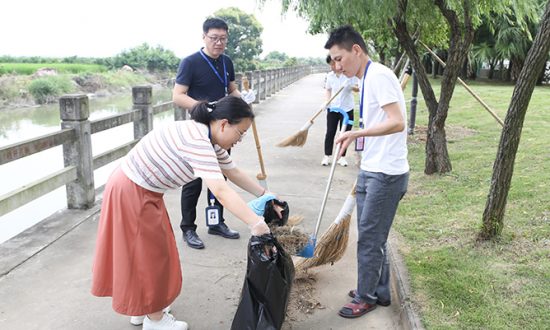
<point>360,141</point>
<point>212,213</point>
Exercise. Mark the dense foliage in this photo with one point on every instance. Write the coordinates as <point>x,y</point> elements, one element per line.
<point>245,43</point>
<point>145,57</point>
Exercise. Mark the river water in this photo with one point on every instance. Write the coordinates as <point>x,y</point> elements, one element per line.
<point>21,124</point>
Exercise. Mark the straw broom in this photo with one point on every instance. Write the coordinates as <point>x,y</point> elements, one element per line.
<point>299,138</point>
<point>333,243</point>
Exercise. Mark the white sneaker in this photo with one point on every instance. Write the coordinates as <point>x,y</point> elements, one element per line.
<point>325,161</point>
<point>342,161</point>
<point>168,322</point>
<point>138,320</point>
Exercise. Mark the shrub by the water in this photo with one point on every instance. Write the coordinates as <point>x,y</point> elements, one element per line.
<point>47,89</point>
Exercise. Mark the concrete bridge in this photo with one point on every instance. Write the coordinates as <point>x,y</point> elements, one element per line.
<point>45,272</point>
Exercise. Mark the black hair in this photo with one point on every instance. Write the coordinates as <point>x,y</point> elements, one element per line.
<point>345,37</point>
<point>214,23</point>
<point>232,108</point>
<point>328,59</point>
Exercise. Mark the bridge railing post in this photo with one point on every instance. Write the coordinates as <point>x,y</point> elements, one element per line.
<point>239,81</point>
<point>258,88</point>
<point>142,98</point>
<point>74,113</point>
<point>269,84</point>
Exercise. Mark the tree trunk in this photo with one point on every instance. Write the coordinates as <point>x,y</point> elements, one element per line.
<point>503,168</point>
<point>515,69</point>
<point>437,157</point>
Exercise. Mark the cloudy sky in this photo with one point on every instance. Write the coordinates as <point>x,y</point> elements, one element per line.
<point>102,28</point>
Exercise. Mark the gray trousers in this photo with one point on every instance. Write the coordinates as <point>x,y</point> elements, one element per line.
<point>378,196</point>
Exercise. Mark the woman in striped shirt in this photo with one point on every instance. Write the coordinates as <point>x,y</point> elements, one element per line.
<point>136,260</point>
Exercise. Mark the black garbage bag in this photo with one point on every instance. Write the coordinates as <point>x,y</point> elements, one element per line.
<point>266,288</point>
<point>271,217</point>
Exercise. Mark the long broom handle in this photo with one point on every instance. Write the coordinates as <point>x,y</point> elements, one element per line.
<point>262,175</point>
<point>332,168</point>
<point>466,87</point>
<point>326,104</point>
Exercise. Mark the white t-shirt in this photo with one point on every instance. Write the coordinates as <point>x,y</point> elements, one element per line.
<point>173,155</point>
<point>388,153</point>
<point>344,100</point>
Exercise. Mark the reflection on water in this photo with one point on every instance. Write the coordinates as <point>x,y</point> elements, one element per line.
<point>22,124</point>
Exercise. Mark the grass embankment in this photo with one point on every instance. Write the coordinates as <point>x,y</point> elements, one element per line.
<point>31,68</point>
<point>459,283</point>
<point>22,87</point>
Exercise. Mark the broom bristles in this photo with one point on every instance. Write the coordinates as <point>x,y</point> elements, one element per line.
<point>331,246</point>
<point>296,140</point>
<point>294,220</point>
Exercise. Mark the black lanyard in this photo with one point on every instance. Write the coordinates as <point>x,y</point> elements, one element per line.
<point>211,197</point>
<point>362,94</point>
<point>224,80</point>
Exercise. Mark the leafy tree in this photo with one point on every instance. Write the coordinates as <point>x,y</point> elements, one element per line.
<point>445,24</point>
<point>276,56</point>
<point>503,167</point>
<point>245,44</point>
<point>507,37</point>
<point>146,57</point>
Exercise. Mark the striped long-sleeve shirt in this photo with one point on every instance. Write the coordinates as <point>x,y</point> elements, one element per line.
<point>173,155</point>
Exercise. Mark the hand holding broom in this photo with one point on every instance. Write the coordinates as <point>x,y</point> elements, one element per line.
<point>299,139</point>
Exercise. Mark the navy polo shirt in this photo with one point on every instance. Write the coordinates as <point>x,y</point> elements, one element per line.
<point>203,83</point>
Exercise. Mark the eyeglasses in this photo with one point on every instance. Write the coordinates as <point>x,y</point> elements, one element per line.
<point>241,135</point>
<point>216,39</point>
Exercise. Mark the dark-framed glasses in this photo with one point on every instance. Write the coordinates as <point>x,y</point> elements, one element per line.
<point>215,39</point>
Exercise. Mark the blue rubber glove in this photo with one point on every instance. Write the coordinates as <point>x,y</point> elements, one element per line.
<point>258,205</point>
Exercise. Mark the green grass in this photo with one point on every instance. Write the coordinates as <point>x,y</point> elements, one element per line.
<point>30,68</point>
<point>459,283</point>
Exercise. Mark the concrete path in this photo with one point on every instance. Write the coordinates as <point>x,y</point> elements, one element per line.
<point>51,289</point>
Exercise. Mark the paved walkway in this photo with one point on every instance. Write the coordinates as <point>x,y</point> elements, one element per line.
<point>51,289</point>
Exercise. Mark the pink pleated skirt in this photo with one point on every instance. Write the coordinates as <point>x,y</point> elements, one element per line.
<point>136,259</point>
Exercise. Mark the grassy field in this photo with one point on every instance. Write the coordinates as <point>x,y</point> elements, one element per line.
<point>30,68</point>
<point>459,283</point>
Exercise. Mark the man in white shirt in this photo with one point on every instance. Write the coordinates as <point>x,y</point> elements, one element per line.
<point>384,173</point>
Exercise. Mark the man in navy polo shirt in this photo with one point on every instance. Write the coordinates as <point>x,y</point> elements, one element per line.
<point>205,75</point>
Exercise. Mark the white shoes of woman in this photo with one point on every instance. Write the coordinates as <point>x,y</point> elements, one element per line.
<point>168,322</point>
<point>342,161</point>
<point>138,320</point>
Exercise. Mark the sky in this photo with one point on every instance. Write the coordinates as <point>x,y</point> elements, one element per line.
<point>104,28</point>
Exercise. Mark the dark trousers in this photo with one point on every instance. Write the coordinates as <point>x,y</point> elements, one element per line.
<point>190,194</point>
<point>334,123</point>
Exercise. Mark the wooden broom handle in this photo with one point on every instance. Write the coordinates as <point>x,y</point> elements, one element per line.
<point>467,87</point>
<point>262,175</point>
<point>326,104</point>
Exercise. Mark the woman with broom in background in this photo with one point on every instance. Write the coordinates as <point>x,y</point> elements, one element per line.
<point>136,260</point>
<point>384,169</point>
<point>334,81</point>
